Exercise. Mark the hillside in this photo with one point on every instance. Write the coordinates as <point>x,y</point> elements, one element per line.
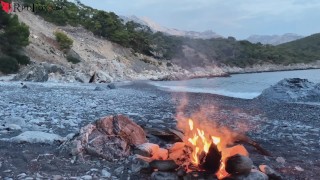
<point>274,39</point>
<point>117,50</point>
<point>110,61</point>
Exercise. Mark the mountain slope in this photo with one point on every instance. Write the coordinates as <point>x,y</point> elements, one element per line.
<point>171,31</point>
<point>274,39</point>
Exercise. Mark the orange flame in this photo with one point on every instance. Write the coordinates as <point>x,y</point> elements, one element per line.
<point>201,144</point>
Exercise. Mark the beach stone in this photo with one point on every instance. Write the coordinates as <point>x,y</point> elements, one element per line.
<point>16,120</point>
<point>22,175</point>
<point>36,137</point>
<point>253,175</point>
<point>57,177</point>
<point>119,170</point>
<point>111,86</point>
<point>238,164</point>
<point>24,87</point>
<point>163,165</point>
<point>272,174</point>
<point>105,173</point>
<point>298,168</point>
<point>110,101</point>
<point>140,163</point>
<point>86,177</point>
<point>98,88</point>
<point>13,127</point>
<point>164,176</point>
<point>280,160</point>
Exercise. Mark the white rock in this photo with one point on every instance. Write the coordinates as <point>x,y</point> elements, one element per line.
<point>86,177</point>
<point>298,168</point>
<point>13,126</point>
<point>37,137</point>
<point>105,173</point>
<point>22,175</point>
<point>281,160</point>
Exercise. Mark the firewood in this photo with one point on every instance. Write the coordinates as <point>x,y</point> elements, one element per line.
<point>245,139</point>
<point>212,160</point>
<point>164,134</point>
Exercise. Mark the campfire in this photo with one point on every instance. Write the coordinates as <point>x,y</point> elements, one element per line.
<point>201,149</point>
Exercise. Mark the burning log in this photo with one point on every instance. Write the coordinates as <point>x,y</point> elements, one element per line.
<point>151,150</point>
<point>147,149</point>
<point>212,160</point>
<point>246,139</point>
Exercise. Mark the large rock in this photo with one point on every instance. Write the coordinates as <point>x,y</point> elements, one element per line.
<point>292,90</point>
<point>110,138</point>
<point>238,164</point>
<point>38,72</point>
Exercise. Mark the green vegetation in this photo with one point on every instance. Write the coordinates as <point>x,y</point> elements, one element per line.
<point>13,37</point>
<point>73,59</point>
<point>142,40</point>
<point>8,65</point>
<point>64,41</point>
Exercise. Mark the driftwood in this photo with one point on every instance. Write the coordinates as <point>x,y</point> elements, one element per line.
<point>165,134</point>
<point>245,139</point>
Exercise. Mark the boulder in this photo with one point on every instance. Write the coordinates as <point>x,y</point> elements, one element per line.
<point>292,90</point>
<point>38,72</point>
<point>110,138</point>
<point>238,164</point>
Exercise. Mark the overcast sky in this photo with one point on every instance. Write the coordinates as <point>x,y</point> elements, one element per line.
<point>238,18</point>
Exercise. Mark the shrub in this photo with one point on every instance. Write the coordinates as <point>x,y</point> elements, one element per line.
<point>21,59</point>
<point>64,41</point>
<point>73,59</point>
<point>8,65</point>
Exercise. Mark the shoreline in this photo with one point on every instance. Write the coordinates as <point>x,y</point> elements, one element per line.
<point>228,72</point>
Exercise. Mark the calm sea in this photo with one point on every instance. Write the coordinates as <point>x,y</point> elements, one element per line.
<point>245,86</point>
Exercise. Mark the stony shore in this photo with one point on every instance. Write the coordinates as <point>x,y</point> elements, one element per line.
<point>289,131</point>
